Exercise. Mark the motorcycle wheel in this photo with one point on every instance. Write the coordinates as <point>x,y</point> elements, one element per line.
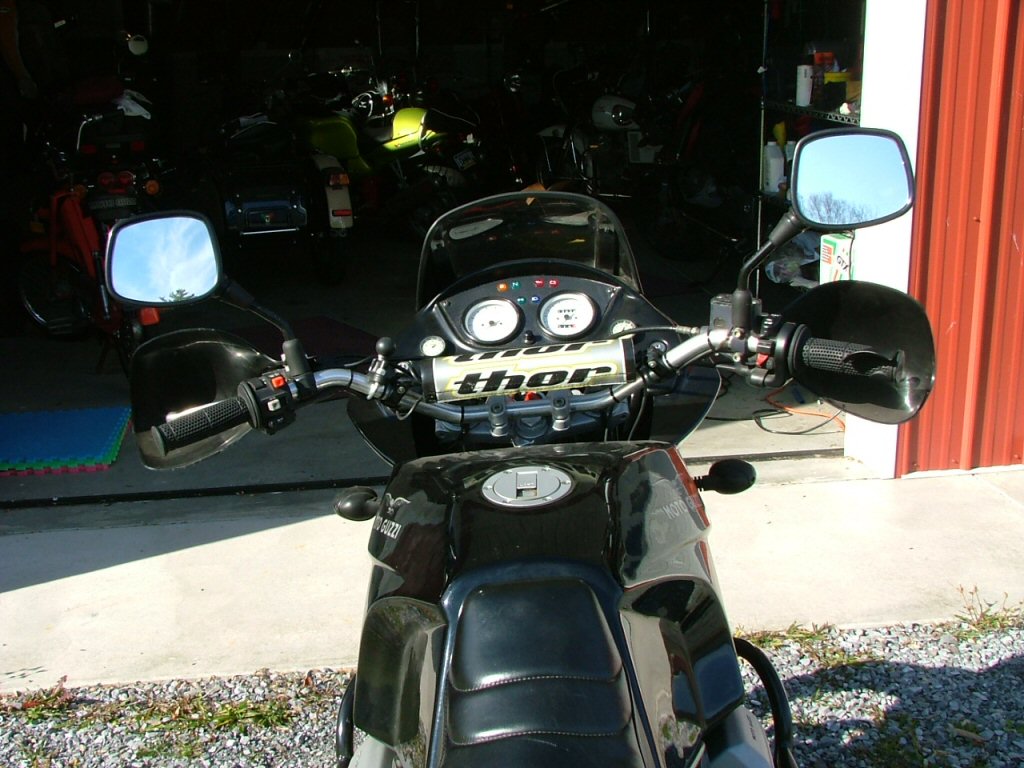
<point>55,297</point>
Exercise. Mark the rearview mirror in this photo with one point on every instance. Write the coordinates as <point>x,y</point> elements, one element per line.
<point>167,259</point>
<point>844,179</point>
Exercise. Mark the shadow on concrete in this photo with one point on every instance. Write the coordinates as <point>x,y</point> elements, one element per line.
<point>45,545</point>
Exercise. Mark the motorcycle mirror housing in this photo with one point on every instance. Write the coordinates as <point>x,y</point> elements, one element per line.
<point>171,259</point>
<point>847,178</point>
<point>871,167</point>
<point>168,259</point>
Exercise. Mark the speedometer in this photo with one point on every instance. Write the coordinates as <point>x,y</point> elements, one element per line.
<point>569,314</point>
<point>492,321</point>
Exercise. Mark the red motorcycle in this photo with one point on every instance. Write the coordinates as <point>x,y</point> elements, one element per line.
<point>61,281</point>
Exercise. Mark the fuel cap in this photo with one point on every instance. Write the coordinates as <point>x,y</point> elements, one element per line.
<point>526,486</point>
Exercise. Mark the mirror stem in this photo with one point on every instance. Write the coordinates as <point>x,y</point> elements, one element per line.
<point>788,227</point>
<point>294,355</point>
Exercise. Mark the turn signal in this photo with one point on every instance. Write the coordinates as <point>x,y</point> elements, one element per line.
<point>152,187</point>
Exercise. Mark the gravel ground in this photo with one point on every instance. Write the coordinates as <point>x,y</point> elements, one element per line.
<point>916,695</point>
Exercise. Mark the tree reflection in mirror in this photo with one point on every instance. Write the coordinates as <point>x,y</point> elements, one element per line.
<point>163,260</point>
<point>844,180</point>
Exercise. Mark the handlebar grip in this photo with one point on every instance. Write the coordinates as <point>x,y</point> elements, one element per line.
<point>206,421</point>
<point>848,358</point>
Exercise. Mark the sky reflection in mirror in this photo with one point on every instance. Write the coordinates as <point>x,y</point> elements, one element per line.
<point>848,181</point>
<point>163,260</point>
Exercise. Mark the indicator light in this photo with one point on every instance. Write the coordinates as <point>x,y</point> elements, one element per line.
<point>516,285</point>
<point>502,287</point>
<point>553,283</point>
<point>535,299</point>
<point>538,283</point>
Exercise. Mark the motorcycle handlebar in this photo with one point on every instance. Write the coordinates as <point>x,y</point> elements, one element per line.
<point>198,423</point>
<point>805,352</point>
<point>845,358</point>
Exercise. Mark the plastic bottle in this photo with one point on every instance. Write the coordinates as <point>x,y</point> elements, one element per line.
<point>774,167</point>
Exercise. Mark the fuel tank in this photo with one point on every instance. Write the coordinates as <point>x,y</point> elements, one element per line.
<point>566,573</point>
<point>629,507</point>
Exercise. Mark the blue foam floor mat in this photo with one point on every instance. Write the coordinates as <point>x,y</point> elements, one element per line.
<point>56,441</point>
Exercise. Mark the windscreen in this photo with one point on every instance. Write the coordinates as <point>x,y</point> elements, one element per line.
<point>523,226</point>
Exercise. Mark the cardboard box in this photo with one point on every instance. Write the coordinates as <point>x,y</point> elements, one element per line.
<point>836,262</point>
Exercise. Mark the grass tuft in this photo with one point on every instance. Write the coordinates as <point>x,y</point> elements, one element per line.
<point>981,617</point>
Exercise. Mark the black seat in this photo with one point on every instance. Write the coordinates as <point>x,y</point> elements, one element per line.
<point>536,679</point>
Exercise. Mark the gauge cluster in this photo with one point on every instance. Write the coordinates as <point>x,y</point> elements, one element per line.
<point>492,318</point>
<point>528,310</point>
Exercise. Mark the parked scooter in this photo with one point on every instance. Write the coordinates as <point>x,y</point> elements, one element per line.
<point>543,591</point>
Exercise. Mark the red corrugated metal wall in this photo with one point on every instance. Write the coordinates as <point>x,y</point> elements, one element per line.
<point>968,251</point>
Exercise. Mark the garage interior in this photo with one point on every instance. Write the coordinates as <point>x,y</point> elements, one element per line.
<point>713,87</point>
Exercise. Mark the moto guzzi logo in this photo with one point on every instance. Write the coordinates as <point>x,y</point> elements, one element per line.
<point>556,366</point>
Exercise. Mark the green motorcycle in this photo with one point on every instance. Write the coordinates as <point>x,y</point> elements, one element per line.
<point>403,161</point>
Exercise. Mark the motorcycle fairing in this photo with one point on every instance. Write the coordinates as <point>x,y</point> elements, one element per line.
<point>527,226</point>
<point>399,658</point>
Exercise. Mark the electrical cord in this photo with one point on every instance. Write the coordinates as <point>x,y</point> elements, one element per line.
<point>778,410</point>
<point>782,409</point>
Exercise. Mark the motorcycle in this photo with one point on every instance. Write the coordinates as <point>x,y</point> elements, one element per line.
<point>108,175</point>
<point>403,159</point>
<point>542,590</point>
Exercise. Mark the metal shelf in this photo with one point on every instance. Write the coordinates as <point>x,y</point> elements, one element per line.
<point>817,114</point>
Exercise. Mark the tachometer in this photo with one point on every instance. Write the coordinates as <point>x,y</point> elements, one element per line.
<point>569,314</point>
<point>492,321</point>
